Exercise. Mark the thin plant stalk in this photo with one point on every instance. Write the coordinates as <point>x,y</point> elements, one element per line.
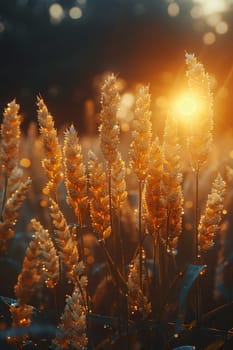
<point>154,255</point>
<point>121,245</point>
<point>4,194</point>
<point>155,271</point>
<point>196,215</point>
<point>159,279</point>
<point>140,237</point>
<point>83,258</point>
<point>127,322</point>
<point>196,249</point>
<point>114,240</point>
<point>167,226</point>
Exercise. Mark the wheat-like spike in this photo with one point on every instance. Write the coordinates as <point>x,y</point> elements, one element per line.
<point>99,198</point>
<point>109,128</point>
<point>156,203</point>
<point>73,326</point>
<point>11,212</point>
<point>10,137</point>
<point>40,265</point>
<point>141,134</point>
<point>210,220</point>
<point>75,175</point>
<point>49,258</point>
<point>200,141</point>
<point>175,220</point>
<point>14,180</point>
<point>67,246</point>
<point>172,178</point>
<point>14,203</point>
<point>137,301</point>
<point>29,279</point>
<point>21,317</point>
<point>52,163</point>
<point>119,193</point>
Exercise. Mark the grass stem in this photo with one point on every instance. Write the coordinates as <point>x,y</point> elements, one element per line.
<point>140,230</point>
<point>196,248</point>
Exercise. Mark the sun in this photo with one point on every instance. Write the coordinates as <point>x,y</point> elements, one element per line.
<point>187,106</point>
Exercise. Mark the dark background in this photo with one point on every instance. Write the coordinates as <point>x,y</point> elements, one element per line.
<point>135,39</point>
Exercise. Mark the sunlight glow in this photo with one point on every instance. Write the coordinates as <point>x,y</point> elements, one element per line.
<point>186,106</point>
<point>125,114</point>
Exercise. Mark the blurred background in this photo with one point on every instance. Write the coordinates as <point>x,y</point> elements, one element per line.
<point>62,49</point>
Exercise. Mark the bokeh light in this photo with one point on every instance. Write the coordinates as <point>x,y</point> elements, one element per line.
<point>81,2</point>
<point>25,162</point>
<point>75,12</point>
<point>196,12</point>
<point>221,27</point>
<point>56,13</point>
<point>173,9</point>
<point>209,38</point>
<point>212,6</point>
<point>2,27</point>
<point>205,13</point>
<point>188,204</point>
<point>213,19</point>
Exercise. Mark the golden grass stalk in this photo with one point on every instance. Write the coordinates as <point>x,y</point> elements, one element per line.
<point>201,139</point>
<point>49,258</point>
<point>109,128</point>
<point>72,328</point>
<point>154,195</point>
<point>119,193</point>
<point>67,246</point>
<point>118,200</point>
<point>21,317</point>
<point>10,137</point>
<point>137,301</point>
<point>209,224</point>
<point>199,142</point>
<point>11,211</point>
<point>172,178</point>
<point>140,153</point>
<point>75,175</point>
<point>141,134</point>
<point>99,198</point>
<point>40,265</point>
<point>52,163</point>
<point>29,278</point>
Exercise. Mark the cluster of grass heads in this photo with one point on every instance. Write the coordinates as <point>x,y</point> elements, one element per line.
<point>137,294</point>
